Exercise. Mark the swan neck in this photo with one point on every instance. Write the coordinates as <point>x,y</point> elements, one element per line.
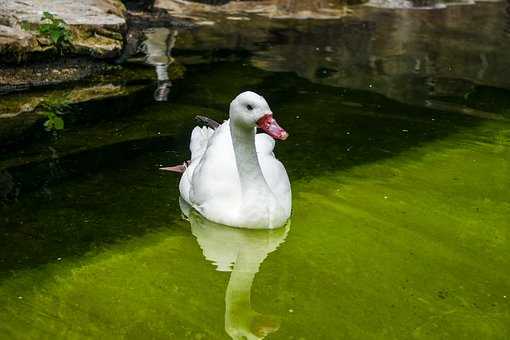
<point>250,173</point>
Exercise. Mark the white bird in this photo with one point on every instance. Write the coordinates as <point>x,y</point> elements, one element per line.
<point>233,177</point>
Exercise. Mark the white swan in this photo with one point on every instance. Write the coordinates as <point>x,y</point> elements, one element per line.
<point>233,177</point>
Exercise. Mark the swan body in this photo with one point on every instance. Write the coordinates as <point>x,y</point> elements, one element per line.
<point>234,177</point>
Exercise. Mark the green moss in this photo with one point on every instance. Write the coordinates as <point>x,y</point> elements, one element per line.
<point>99,44</point>
<point>410,247</point>
<point>415,246</point>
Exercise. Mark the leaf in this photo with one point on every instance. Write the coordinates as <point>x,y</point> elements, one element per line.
<point>49,125</point>
<point>67,35</point>
<point>58,123</point>
<point>47,16</point>
<point>55,29</point>
<point>43,29</point>
<point>55,36</point>
<point>25,26</point>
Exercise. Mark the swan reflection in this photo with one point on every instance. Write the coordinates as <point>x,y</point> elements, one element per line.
<point>241,252</point>
<point>158,48</point>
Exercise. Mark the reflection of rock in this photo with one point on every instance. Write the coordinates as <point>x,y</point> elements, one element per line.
<point>240,251</point>
<point>507,28</point>
<point>98,134</point>
<point>97,26</point>
<point>19,113</point>
<point>7,187</point>
<point>284,9</point>
<point>401,55</point>
<point>158,48</point>
<point>409,56</point>
<point>417,4</point>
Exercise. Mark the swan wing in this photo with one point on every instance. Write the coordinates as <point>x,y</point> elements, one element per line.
<point>264,144</point>
<point>200,137</point>
<point>215,187</point>
<point>274,172</point>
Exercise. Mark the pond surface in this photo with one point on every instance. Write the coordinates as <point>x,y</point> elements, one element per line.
<point>399,159</point>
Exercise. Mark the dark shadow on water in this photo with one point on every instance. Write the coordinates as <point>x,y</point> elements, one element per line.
<point>74,204</point>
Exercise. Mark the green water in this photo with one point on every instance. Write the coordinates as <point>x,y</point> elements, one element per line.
<point>400,226</point>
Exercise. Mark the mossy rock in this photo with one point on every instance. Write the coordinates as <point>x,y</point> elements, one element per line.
<point>97,28</point>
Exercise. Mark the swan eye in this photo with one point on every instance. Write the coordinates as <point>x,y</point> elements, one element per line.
<point>249,107</point>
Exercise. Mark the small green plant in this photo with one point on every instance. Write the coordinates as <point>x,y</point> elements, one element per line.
<point>53,110</point>
<point>55,29</point>
<point>54,122</point>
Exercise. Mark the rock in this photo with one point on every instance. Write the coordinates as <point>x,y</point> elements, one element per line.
<point>97,27</point>
<point>15,78</point>
<point>15,44</point>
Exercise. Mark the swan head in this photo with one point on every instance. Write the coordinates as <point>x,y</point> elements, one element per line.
<point>249,110</point>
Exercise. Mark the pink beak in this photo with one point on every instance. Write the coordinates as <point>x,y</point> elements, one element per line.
<point>271,127</point>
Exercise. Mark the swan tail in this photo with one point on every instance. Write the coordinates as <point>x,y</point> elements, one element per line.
<point>208,121</point>
<point>198,144</point>
<point>177,168</point>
